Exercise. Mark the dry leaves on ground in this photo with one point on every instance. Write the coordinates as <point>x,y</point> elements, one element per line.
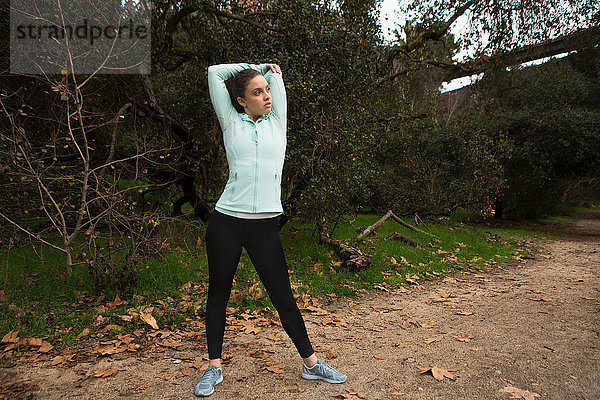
<point>464,337</point>
<point>19,389</point>
<point>516,393</point>
<point>439,373</point>
<point>146,316</point>
<point>106,372</point>
<point>430,324</point>
<point>352,395</point>
<point>274,367</point>
<point>464,313</point>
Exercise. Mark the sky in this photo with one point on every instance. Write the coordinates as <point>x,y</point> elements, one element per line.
<point>391,18</point>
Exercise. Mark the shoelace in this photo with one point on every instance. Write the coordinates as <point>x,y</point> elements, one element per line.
<point>209,372</point>
<point>326,370</point>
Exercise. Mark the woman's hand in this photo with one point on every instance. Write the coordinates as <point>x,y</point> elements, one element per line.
<point>275,68</point>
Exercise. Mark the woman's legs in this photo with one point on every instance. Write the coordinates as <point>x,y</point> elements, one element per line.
<point>223,249</point>
<point>262,242</point>
<point>225,236</point>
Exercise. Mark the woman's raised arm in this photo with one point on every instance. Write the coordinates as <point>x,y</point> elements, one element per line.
<point>278,95</point>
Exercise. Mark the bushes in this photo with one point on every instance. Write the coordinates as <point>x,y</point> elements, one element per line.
<point>545,129</point>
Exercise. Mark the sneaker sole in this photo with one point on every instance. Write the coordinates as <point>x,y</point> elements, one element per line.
<point>202,394</point>
<point>321,378</point>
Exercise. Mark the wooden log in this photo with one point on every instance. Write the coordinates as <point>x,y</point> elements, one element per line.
<point>351,257</point>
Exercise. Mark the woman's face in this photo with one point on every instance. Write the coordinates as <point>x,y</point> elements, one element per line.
<point>257,98</point>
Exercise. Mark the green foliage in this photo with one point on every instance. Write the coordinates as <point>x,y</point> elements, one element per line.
<point>544,125</point>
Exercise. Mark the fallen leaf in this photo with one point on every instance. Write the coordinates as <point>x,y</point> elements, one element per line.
<point>464,313</point>
<point>540,298</point>
<point>117,302</point>
<point>516,393</point>
<point>275,368</point>
<point>111,328</point>
<point>35,342</point>
<point>184,372</point>
<point>276,337</point>
<point>379,357</point>
<point>46,347</point>
<point>352,395</point>
<point>592,298</point>
<point>464,338</point>
<point>165,376</point>
<point>380,287</point>
<point>398,394</point>
<point>439,373</point>
<point>260,354</point>
<point>412,279</point>
<point>125,338</point>
<point>11,337</point>
<point>431,340</point>
<point>430,324</point>
<point>57,360</point>
<point>103,373</point>
<point>84,332</point>
<point>148,318</point>
<point>319,311</point>
<point>170,343</point>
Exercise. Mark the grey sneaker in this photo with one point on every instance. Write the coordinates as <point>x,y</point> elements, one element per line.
<point>210,377</point>
<point>322,370</point>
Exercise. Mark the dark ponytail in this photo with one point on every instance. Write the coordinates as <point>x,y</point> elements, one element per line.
<point>236,86</point>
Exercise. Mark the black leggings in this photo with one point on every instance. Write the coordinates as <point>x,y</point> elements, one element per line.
<point>225,236</point>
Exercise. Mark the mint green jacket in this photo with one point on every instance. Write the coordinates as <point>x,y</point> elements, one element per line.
<point>255,150</point>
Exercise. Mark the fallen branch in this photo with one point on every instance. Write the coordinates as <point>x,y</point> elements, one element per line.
<point>399,236</point>
<point>376,225</point>
<point>387,215</point>
<point>351,257</point>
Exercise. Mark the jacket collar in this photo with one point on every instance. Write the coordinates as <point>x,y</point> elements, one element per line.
<point>246,117</point>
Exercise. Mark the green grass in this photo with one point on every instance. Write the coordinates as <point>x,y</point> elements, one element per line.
<point>41,301</point>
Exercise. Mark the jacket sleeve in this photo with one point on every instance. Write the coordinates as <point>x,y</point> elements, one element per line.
<point>278,97</point>
<point>219,96</point>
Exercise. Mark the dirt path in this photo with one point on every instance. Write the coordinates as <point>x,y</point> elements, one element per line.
<point>532,325</point>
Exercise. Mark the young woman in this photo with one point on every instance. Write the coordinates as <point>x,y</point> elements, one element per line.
<point>251,106</point>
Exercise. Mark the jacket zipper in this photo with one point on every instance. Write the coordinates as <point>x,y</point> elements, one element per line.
<point>255,169</point>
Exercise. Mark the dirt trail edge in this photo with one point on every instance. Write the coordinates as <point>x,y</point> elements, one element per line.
<point>529,329</point>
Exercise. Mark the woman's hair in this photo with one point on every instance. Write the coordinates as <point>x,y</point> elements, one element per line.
<point>236,86</point>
